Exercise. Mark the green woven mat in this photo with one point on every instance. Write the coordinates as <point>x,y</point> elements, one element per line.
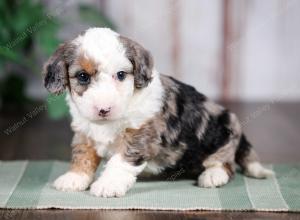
<point>27,184</point>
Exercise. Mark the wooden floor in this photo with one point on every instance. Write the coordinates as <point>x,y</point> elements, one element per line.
<point>273,128</point>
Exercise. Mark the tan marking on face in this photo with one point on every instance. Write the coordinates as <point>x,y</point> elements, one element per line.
<point>87,64</point>
<point>84,156</point>
<point>82,63</point>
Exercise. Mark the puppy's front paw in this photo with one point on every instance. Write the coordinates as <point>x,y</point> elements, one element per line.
<point>112,187</point>
<point>213,177</point>
<point>72,181</point>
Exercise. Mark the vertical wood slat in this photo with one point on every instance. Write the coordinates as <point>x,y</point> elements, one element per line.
<point>175,33</point>
<point>235,48</point>
<point>103,6</point>
<point>225,53</point>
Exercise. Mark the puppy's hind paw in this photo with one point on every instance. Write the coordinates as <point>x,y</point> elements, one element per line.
<point>213,177</point>
<point>72,181</point>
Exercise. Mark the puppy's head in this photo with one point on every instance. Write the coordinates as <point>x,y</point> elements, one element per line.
<point>102,70</point>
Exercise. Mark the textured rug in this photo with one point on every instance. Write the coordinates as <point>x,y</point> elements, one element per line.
<point>27,184</point>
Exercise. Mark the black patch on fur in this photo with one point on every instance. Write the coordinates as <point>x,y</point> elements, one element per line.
<point>216,136</point>
<point>173,123</point>
<point>190,115</point>
<point>163,140</point>
<point>139,161</point>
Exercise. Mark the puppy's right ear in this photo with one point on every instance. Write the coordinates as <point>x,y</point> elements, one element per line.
<point>56,70</point>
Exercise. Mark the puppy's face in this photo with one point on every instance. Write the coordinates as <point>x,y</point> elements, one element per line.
<point>102,71</point>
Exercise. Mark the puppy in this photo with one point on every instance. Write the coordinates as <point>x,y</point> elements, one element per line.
<point>140,121</point>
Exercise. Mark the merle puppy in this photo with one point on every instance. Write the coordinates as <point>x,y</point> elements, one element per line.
<point>140,121</point>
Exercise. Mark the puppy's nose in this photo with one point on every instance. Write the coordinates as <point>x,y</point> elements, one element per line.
<point>104,112</point>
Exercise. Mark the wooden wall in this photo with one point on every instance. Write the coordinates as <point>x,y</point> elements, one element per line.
<point>230,49</point>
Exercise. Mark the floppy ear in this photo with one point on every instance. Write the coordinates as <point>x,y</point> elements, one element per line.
<point>55,71</point>
<point>141,60</point>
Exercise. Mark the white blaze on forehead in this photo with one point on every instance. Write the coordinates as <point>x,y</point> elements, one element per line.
<point>103,46</point>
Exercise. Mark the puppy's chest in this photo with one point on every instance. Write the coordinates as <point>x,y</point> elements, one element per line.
<point>104,138</point>
<point>103,150</point>
<point>103,135</point>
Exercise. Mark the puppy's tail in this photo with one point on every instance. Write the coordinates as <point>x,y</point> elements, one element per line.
<point>247,159</point>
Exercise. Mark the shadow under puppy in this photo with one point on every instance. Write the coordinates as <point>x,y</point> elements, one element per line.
<point>139,120</point>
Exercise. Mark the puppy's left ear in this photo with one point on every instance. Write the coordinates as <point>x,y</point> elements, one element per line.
<point>55,70</point>
<point>141,60</point>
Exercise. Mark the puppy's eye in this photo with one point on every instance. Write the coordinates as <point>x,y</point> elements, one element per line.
<point>83,78</point>
<point>121,75</point>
